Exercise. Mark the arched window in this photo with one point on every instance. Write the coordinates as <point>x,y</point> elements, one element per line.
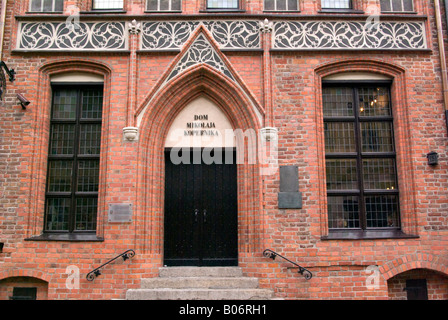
<point>361,174</point>
<point>71,195</point>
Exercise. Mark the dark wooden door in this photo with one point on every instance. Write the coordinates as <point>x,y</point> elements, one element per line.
<point>201,224</point>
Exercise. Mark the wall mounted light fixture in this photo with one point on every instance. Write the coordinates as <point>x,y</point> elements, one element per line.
<point>433,158</point>
<point>11,73</point>
<point>23,101</point>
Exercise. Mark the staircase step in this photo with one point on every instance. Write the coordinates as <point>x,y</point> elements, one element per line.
<point>168,272</point>
<point>198,294</point>
<point>200,282</point>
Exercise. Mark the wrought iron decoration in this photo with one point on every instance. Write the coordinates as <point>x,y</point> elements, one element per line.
<point>128,254</point>
<point>268,253</point>
<point>11,73</point>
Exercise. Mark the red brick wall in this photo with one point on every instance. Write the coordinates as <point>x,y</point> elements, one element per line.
<point>437,284</point>
<point>132,172</point>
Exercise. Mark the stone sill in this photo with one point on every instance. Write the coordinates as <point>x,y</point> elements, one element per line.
<point>367,235</point>
<point>72,237</point>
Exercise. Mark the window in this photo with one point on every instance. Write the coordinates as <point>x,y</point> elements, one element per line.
<point>222,4</point>
<point>164,5</point>
<point>23,293</point>
<point>47,5</point>
<point>416,289</point>
<point>397,5</point>
<point>73,159</point>
<point>281,5</point>
<point>107,4</point>
<point>362,190</point>
<point>336,4</point>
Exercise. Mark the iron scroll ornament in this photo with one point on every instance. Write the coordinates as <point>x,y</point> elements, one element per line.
<point>268,253</point>
<point>128,254</point>
<point>2,84</point>
<point>12,75</point>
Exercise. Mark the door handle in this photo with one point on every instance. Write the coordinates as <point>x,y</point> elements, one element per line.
<point>196,215</point>
<point>205,215</point>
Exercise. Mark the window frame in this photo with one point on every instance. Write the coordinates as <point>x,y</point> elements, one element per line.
<point>158,4</point>
<point>276,10</point>
<point>396,11</point>
<point>73,194</point>
<point>107,9</point>
<point>30,6</point>
<point>238,8</point>
<point>363,231</point>
<point>350,8</point>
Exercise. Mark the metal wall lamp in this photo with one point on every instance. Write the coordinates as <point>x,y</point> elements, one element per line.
<point>12,76</point>
<point>23,101</point>
<point>11,73</point>
<point>433,158</point>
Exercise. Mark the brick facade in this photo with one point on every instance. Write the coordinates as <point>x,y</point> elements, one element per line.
<point>272,88</point>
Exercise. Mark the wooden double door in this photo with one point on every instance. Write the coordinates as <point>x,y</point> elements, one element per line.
<point>201,209</point>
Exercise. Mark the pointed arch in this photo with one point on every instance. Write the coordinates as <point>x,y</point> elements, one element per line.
<point>42,110</point>
<point>200,80</point>
<point>403,140</point>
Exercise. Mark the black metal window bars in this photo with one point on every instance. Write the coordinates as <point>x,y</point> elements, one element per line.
<point>268,253</point>
<point>128,254</point>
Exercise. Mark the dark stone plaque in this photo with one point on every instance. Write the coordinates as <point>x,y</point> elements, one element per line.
<point>289,200</point>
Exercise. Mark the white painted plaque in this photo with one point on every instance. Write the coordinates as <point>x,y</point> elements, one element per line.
<point>201,124</point>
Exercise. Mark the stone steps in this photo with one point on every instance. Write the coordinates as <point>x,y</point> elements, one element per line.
<point>200,283</point>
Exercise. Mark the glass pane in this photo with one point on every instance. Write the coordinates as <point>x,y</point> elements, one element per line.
<point>36,5</point>
<point>59,5</point>
<point>377,137</point>
<point>62,139</point>
<point>269,5</point>
<point>396,5</point>
<point>164,5</point>
<point>408,5</point>
<point>343,212</point>
<point>336,4</point>
<point>60,175</point>
<point>292,5</point>
<point>88,175</point>
<point>57,213</point>
<point>107,4</point>
<point>48,5</point>
<point>382,211</point>
<point>92,104</point>
<point>341,174</point>
<point>152,5</point>
<point>86,209</point>
<point>64,105</point>
<point>374,102</point>
<point>176,5</point>
<point>90,139</point>
<point>339,137</point>
<point>385,5</point>
<point>281,5</point>
<point>379,174</point>
<point>338,102</point>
